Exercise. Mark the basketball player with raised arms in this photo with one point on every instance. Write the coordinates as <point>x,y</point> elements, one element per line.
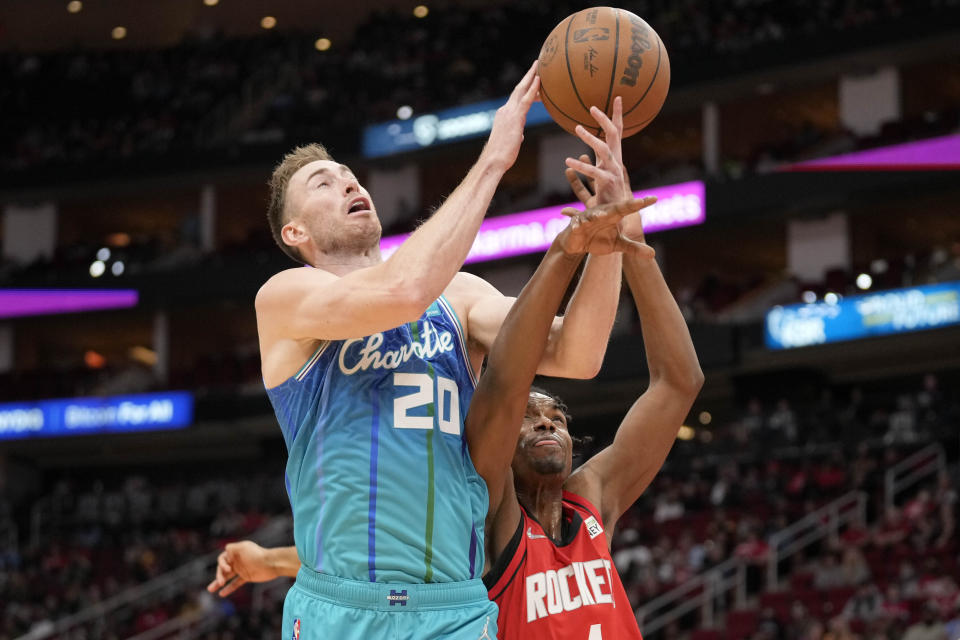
<point>370,365</point>
<point>548,531</point>
<point>547,554</point>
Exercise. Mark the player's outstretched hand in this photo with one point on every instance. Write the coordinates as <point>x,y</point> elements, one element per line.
<point>503,145</point>
<point>608,177</point>
<point>238,564</point>
<point>597,230</point>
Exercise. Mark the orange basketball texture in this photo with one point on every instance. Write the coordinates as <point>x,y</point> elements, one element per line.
<point>596,54</point>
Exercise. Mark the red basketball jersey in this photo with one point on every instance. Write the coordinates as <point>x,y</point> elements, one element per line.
<point>561,591</point>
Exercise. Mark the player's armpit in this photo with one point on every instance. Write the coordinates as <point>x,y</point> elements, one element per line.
<point>503,518</point>
<point>315,304</point>
<point>617,476</point>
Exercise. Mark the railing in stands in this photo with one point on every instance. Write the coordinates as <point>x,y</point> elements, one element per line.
<point>702,591</point>
<point>911,470</point>
<point>706,590</point>
<point>850,508</point>
<point>187,625</point>
<point>189,578</point>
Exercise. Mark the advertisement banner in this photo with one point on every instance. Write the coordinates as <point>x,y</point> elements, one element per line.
<point>82,416</point>
<point>442,127</point>
<point>678,205</point>
<point>863,316</point>
<point>931,154</point>
<point>37,302</point>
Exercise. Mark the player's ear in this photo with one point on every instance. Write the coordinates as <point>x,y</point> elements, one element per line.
<point>294,233</point>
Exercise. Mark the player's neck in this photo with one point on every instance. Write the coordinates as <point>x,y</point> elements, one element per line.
<point>545,501</point>
<point>342,263</point>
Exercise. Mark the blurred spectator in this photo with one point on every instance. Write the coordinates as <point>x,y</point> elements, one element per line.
<point>782,423</point>
<point>854,567</point>
<point>895,608</point>
<point>866,604</point>
<point>893,530</point>
<point>952,627</point>
<point>668,507</point>
<point>839,629</point>
<point>928,627</point>
<point>827,572</point>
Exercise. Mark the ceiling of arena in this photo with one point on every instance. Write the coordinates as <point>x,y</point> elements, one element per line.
<point>47,25</point>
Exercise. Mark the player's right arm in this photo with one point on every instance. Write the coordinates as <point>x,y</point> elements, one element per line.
<point>313,304</point>
<point>615,477</point>
<point>497,408</point>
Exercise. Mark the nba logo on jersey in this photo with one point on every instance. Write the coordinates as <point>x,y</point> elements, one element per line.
<point>593,527</point>
<point>296,629</point>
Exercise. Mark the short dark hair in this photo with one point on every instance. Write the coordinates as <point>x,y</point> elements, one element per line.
<point>560,404</point>
<point>579,442</point>
<point>279,180</point>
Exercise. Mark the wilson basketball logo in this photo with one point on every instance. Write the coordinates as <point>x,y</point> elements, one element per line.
<point>639,44</point>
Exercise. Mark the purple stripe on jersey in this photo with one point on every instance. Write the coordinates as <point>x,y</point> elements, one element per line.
<point>320,490</point>
<point>372,515</point>
<point>473,551</point>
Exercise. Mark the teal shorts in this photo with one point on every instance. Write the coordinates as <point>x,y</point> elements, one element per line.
<point>321,607</point>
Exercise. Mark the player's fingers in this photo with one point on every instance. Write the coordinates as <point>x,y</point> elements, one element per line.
<point>634,204</point>
<point>604,154</point>
<point>593,183</point>
<point>609,128</point>
<point>525,81</point>
<point>618,115</point>
<point>588,169</point>
<point>625,207</point>
<point>579,189</point>
<point>570,212</point>
<point>224,568</point>
<point>214,585</point>
<point>232,586</point>
<point>532,92</point>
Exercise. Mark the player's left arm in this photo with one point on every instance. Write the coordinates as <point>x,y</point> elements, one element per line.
<point>497,408</point>
<point>615,477</point>
<point>246,561</point>
<point>578,340</point>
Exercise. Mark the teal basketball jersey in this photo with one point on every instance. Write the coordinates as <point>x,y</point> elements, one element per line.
<point>378,473</point>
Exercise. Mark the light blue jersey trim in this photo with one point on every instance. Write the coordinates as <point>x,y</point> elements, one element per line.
<point>446,306</point>
<point>305,369</point>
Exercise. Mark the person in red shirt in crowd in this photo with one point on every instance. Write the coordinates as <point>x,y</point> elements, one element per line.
<point>831,475</point>
<point>548,529</point>
<point>893,531</point>
<point>937,587</point>
<point>917,509</point>
<point>895,607</point>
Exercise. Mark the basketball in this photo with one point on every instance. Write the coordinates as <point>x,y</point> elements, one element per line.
<point>596,54</point>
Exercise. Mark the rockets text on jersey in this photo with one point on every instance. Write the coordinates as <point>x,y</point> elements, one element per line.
<point>561,590</point>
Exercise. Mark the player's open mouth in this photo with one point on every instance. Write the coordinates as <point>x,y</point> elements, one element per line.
<point>359,205</point>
